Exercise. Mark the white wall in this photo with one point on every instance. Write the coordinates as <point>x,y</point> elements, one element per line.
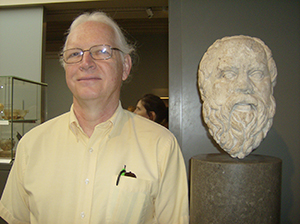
<point>194,26</point>
<point>21,33</point>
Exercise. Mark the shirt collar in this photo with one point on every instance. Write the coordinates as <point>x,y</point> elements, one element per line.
<point>113,120</point>
<point>74,125</point>
<point>116,120</point>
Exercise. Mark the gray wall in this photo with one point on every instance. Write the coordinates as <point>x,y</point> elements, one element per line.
<point>194,26</point>
<point>21,33</point>
<point>150,74</point>
<point>59,97</point>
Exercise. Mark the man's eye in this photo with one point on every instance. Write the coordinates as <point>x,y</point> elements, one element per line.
<point>74,54</point>
<point>229,75</point>
<point>101,52</point>
<point>256,75</point>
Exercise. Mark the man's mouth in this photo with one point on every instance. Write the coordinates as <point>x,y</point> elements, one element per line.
<point>88,78</point>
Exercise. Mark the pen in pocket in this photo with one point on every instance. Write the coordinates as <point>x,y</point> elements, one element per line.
<point>124,173</point>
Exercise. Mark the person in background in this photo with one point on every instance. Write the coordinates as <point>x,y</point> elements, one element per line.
<point>131,108</point>
<point>97,163</point>
<point>152,107</point>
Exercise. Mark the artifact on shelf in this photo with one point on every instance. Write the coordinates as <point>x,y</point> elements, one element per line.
<point>7,144</point>
<point>1,107</point>
<point>15,115</point>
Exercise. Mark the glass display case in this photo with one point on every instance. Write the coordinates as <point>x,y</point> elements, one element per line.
<point>22,107</point>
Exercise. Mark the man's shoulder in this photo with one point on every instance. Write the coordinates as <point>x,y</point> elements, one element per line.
<point>53,124</point>
<point>142,124</point>
<point>150,134</point>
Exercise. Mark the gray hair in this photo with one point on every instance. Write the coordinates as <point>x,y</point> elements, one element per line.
<point>102,17</point>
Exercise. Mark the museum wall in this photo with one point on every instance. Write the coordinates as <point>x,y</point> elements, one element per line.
<point>19,26</point>
<point>193,27</point>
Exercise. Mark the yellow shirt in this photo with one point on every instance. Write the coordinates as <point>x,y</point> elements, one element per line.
<point>60,176</point>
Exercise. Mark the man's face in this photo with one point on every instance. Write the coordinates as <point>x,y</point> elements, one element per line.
<point>92,79</point>
<point>239,76</point>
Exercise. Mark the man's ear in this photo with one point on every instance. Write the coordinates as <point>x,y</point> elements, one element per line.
<point>152,115</point>
<point>126,67</point>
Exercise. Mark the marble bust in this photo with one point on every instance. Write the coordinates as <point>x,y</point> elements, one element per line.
<point>236,78</point>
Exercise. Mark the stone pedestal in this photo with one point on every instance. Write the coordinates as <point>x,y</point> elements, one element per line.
<point>228,190</point>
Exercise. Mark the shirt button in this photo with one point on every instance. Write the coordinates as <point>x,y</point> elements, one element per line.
<point>82,215</point>
<point>91,150</point>
<point>87,181</point>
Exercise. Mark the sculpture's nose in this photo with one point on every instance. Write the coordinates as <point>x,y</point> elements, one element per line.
<point>244,85</point>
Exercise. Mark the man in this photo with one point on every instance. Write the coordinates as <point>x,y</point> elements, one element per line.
<point>236,79</point>
<point>97,163</point>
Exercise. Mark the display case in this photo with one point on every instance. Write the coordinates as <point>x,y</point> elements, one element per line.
<point>22,107</point>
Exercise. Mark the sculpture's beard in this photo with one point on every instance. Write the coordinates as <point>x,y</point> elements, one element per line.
<point>240,124</point>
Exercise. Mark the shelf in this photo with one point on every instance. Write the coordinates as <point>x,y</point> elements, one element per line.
<point>5,160</point>
<point>29,97</point>
<point>25,121</point>
<point>6,122</point>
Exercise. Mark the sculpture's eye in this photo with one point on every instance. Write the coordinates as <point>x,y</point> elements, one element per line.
<point>229,75</point>
<point>256,75</point>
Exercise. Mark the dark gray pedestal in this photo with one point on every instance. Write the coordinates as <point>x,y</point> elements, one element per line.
<point>227,190</point>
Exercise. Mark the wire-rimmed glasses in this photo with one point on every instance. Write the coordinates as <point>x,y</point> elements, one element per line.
<point>97,52</point>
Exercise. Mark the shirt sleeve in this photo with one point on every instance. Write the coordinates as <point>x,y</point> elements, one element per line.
<point>171,204</point>
<point>14,202</point>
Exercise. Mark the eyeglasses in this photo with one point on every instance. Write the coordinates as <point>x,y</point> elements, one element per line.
<point>98,52</point>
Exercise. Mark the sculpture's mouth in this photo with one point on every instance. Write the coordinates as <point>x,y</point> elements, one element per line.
<point>244,107</point>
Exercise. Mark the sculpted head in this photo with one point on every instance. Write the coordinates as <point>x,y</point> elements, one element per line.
<point>236,77</point>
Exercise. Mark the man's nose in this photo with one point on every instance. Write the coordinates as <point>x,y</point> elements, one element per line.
<point>87,60</point>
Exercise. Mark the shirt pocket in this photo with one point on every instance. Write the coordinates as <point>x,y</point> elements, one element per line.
<point>130,202</point>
